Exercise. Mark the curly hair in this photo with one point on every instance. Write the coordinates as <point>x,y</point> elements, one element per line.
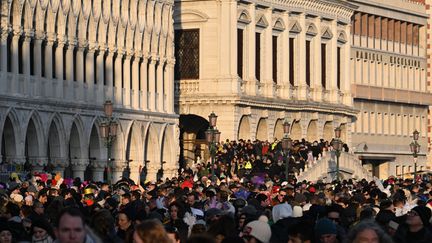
<point>367,225</point>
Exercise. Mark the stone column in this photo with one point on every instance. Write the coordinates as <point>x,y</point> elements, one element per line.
<point>49,56</point>
<point>169,86</point>
<point>144,87</point>
<point>332,64</point>
<point>26,52</point>
<point>152,83</point>
<point>69,61</point>
<point>100,75</point>
<point>117,170</point>
<point>252,87</point>
<point>80,62</point>
<point>160,84</point>
<point>89,73</point>
<point>78,167</point>
<point>4,51</point>
<point>37,54</point>
<point>127,79</point>
<point>15,52</point>
<point>98,168</point>
<point>59,59</point>
<point>135,81</point>
<point>109,68</point>
<point>303,89</point>
<point>118,78</point>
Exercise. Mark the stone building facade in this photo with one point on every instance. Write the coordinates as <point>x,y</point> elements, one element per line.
<point>390,86</point>
<point>360,65</point>
<point>61,60</point>
<point>255,63</point>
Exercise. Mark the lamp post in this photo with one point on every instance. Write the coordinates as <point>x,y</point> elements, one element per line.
<point>286,145</point>
<point>415,149</point>
<point>337,146</point>
<point>212,138</point>
<point>108,130</point>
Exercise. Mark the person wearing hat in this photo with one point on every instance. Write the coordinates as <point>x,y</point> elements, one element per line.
<point>417,227</point>
<point>42,231</point>
<point>326,231</point>
<point>257,231</point>
<point>6,235</point>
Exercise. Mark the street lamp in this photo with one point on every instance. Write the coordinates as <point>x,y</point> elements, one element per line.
<point>415,149</point>
<point>108,130</point>
<point>212,138</point>
<point>337,146</point>
<point>286,145</point>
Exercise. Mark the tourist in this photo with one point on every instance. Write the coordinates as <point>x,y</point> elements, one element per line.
<point>150,231</point>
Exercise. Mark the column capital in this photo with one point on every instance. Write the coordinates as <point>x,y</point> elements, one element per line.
<point>4,35</point>
<point>82,162</point>
<point>16,160</point>
<point>98,164</point>
<point>38,161</point>
<point>39,35</point>
<point>72,42</point>
<point>118,165</point>
<point>82,45</point>
<point>17,32</point>
<point>59,161</point>
<point>92,46</point>
<point>171,61</point>
<point>120,51</point>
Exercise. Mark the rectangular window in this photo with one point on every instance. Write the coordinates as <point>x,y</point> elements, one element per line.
<point>323,67</point>
<point>258,56</point>
<point>291,61</point>
<point>275,58</point>
<point>308,57</point>
<point>240,53</point>
<point>338,72</point>
<point>187,54</point>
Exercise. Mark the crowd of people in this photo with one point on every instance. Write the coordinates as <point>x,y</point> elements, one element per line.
<point>249,200</point>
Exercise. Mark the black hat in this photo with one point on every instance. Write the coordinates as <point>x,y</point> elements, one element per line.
<point>424,213</point>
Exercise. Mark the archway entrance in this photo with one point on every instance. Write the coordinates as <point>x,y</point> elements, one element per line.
<point>296,131</point>
<point>262,131</point>
<point>95,156</point>
<point>152,153</point>
<point>133,158</point>
<point>278,131</point>
<point>8,151</point>
<point>244,128</point>
<point>192,139</point>
<point>312,132</point>
<point>328,131</point>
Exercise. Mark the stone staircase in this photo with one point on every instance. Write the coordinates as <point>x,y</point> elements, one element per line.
<point>324,168</point>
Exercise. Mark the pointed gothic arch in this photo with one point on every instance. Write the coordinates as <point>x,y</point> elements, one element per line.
<point>167,149</point>
<point>134,153</point>
<point>152,152</point>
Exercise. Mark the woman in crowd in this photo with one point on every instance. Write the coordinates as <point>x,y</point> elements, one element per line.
<point>151,231</point>
<point>368,231</point>
<point>176,212</point>
<point>125,226</point>
<point>42,231</point>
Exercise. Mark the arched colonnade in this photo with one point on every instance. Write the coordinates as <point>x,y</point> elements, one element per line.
<point>71,145</point>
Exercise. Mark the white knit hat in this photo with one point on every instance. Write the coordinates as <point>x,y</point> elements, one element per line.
<point>260,230</point>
